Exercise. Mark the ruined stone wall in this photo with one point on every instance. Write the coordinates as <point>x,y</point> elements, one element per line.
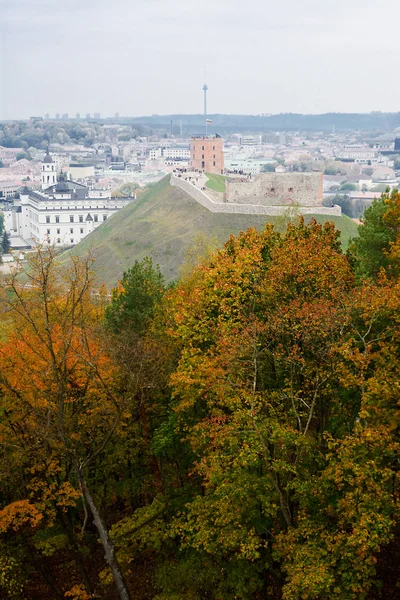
<point>277,189</point>
<point>246,209</point>
<point>218,197</point>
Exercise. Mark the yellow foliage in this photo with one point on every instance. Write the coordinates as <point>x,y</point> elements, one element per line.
<point>78,592</point>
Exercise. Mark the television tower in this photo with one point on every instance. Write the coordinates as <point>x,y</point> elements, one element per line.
<point>205,88</point>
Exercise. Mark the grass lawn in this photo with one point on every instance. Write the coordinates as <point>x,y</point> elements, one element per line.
<point>216,182</point>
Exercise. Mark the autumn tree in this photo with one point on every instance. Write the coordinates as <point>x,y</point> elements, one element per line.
<point>198,252</point>
<point>280,391</point>
<point>134,299</point>
<point>234,435</point>
<point>349,511</point>
<point>59,393</point>
<point>256,386</point>
<point>369,250</point>
<point>154,458</point>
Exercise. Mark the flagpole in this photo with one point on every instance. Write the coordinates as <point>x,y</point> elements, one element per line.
<point>206,126</point>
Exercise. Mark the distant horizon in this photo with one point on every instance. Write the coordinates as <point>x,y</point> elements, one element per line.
<point>148,56</point>
<point>83,117</point>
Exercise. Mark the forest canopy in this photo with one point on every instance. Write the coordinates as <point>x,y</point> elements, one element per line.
<point>234,435</point>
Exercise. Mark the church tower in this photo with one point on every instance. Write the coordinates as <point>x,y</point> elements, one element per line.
<point>49,174</point>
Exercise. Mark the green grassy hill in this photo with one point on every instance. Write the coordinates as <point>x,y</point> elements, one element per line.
<point>216,182</point>
<point>163,224</point>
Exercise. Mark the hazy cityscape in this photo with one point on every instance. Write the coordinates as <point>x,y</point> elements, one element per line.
<point>199,300</point>
<point>114,158</point>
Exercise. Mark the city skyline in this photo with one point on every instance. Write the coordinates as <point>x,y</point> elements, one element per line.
<point>149,58</point>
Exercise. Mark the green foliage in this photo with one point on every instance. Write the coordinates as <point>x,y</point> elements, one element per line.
<point>255,454</point>
<point>348,187</point>
<point>50,542</point>
<point>197,575</point>
<point>333,170</point>
<point>369,250</point>
<point>302,166</point>
<point>5,242</point>
<point>127,189</point>
<point>11,577</point>
<point>22,155</point>
<point>133,302</point>
<point>1,223</point>
<point>353,208</point>
<point>268,168</point>
<point>23,134</point>
<point>381,187</point>
<point>337,555</point>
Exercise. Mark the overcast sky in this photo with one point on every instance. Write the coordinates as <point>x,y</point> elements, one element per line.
<point>139,57</point>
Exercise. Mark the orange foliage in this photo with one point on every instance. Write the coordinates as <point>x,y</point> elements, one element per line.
<point>19,514</point>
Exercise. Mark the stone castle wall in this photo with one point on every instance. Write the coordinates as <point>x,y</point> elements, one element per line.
<point>246,209</point>
<point>277,189</point>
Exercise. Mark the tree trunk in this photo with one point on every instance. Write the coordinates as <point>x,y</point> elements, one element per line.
<point>68,528</point>
<point>153,460</point>
<point>109,552</point>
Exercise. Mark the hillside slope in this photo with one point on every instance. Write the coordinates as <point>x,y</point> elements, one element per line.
<point>162,224</point>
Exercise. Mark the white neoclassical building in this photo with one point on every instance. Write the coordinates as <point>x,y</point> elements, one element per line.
<point>62,213</point>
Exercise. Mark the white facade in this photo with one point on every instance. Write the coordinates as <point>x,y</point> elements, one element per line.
<point>249,140</point>
<point>174,162</point>
<point>8,189</point>
<point>243,165</point>
<point>59,220</point>
<point>78,171</point>
<point>154,153</point>
<point>48,174</point>
<point>358,155</point>
<point>62,214</point>
<point>61,159</point>
<point>174,153</point>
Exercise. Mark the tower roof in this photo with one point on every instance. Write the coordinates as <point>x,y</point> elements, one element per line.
<point>89,217</point>
<point>47,158</point>
<point>61,186</point>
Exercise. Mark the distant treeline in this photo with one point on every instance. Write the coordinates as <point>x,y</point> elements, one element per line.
<point>375,121</point>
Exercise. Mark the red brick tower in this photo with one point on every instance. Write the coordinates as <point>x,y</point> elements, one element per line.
<point>206,154</point>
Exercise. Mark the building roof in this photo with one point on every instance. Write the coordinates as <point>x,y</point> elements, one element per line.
<point>64,186</point>
<point>25,191</point>
<point>366,195</point>
<point>337,178</point>
<point>61,186</point>
<point>80,165</point>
